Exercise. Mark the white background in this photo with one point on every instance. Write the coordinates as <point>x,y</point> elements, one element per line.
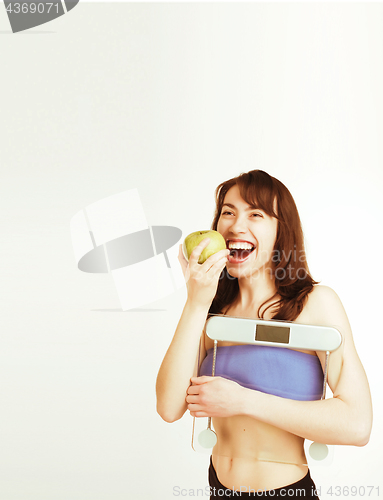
<point>170,99</point>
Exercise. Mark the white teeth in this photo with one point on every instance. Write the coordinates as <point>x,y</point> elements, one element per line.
<point>240,245</point>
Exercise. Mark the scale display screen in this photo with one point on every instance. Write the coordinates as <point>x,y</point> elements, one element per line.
<point>278,334</point>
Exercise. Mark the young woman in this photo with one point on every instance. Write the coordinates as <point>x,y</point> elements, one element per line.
<point>261,434</point>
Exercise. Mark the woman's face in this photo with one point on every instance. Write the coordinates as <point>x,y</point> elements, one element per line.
<point>249,232</point>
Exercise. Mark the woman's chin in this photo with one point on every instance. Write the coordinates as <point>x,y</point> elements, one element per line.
<point>236,272</point>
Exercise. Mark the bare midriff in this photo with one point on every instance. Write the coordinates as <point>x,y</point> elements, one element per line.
<point>256,455</point>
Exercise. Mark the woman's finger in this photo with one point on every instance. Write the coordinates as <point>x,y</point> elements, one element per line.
<point>195,255</point>
<point>213,259</point>
<point>195,407</point>
<point>202,379</point>
<point>218,267</point>
<point>192,399</point>
<point>198,414</point>
<point>193,389</point>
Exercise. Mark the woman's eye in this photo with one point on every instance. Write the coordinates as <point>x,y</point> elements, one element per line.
<point>230,213</point>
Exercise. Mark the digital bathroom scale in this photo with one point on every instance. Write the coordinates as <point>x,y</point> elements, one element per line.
<point>273,333</point>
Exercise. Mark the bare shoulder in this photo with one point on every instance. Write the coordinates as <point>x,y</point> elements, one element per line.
<point>324,304</point>
<point>326,309</point>
<point>323,293</point>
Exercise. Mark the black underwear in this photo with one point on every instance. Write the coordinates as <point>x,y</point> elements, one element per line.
<point>304,488</point>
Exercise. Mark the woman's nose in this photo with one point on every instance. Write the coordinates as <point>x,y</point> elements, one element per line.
<point>238,225</point>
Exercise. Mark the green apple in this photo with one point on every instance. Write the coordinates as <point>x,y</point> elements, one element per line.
<point>217,243</point>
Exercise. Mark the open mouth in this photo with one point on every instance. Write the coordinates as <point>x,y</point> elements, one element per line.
<point>239,251</point>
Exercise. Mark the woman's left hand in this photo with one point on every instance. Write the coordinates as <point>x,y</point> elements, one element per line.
<point>214,397</point>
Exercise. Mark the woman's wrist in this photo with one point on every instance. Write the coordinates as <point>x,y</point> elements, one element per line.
<point>249,401</point>
<point>197,308</point>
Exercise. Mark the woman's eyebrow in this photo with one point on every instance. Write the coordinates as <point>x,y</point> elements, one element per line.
<point>251,207</point>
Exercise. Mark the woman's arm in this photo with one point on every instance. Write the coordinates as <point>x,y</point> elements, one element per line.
<point>180,361</point>
<point>344,419</point>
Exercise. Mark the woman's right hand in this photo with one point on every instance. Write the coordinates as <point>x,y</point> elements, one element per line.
<point>202,279</point>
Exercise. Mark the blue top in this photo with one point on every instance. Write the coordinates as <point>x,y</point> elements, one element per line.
<point>273,370</point>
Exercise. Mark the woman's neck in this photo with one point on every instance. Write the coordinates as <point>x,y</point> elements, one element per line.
<point>253,292</point>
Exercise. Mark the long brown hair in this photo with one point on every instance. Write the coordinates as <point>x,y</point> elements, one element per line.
<point>288,264</point>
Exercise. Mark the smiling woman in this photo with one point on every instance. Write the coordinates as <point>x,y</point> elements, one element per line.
<point>267,277</point>
<point>267,207</point>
